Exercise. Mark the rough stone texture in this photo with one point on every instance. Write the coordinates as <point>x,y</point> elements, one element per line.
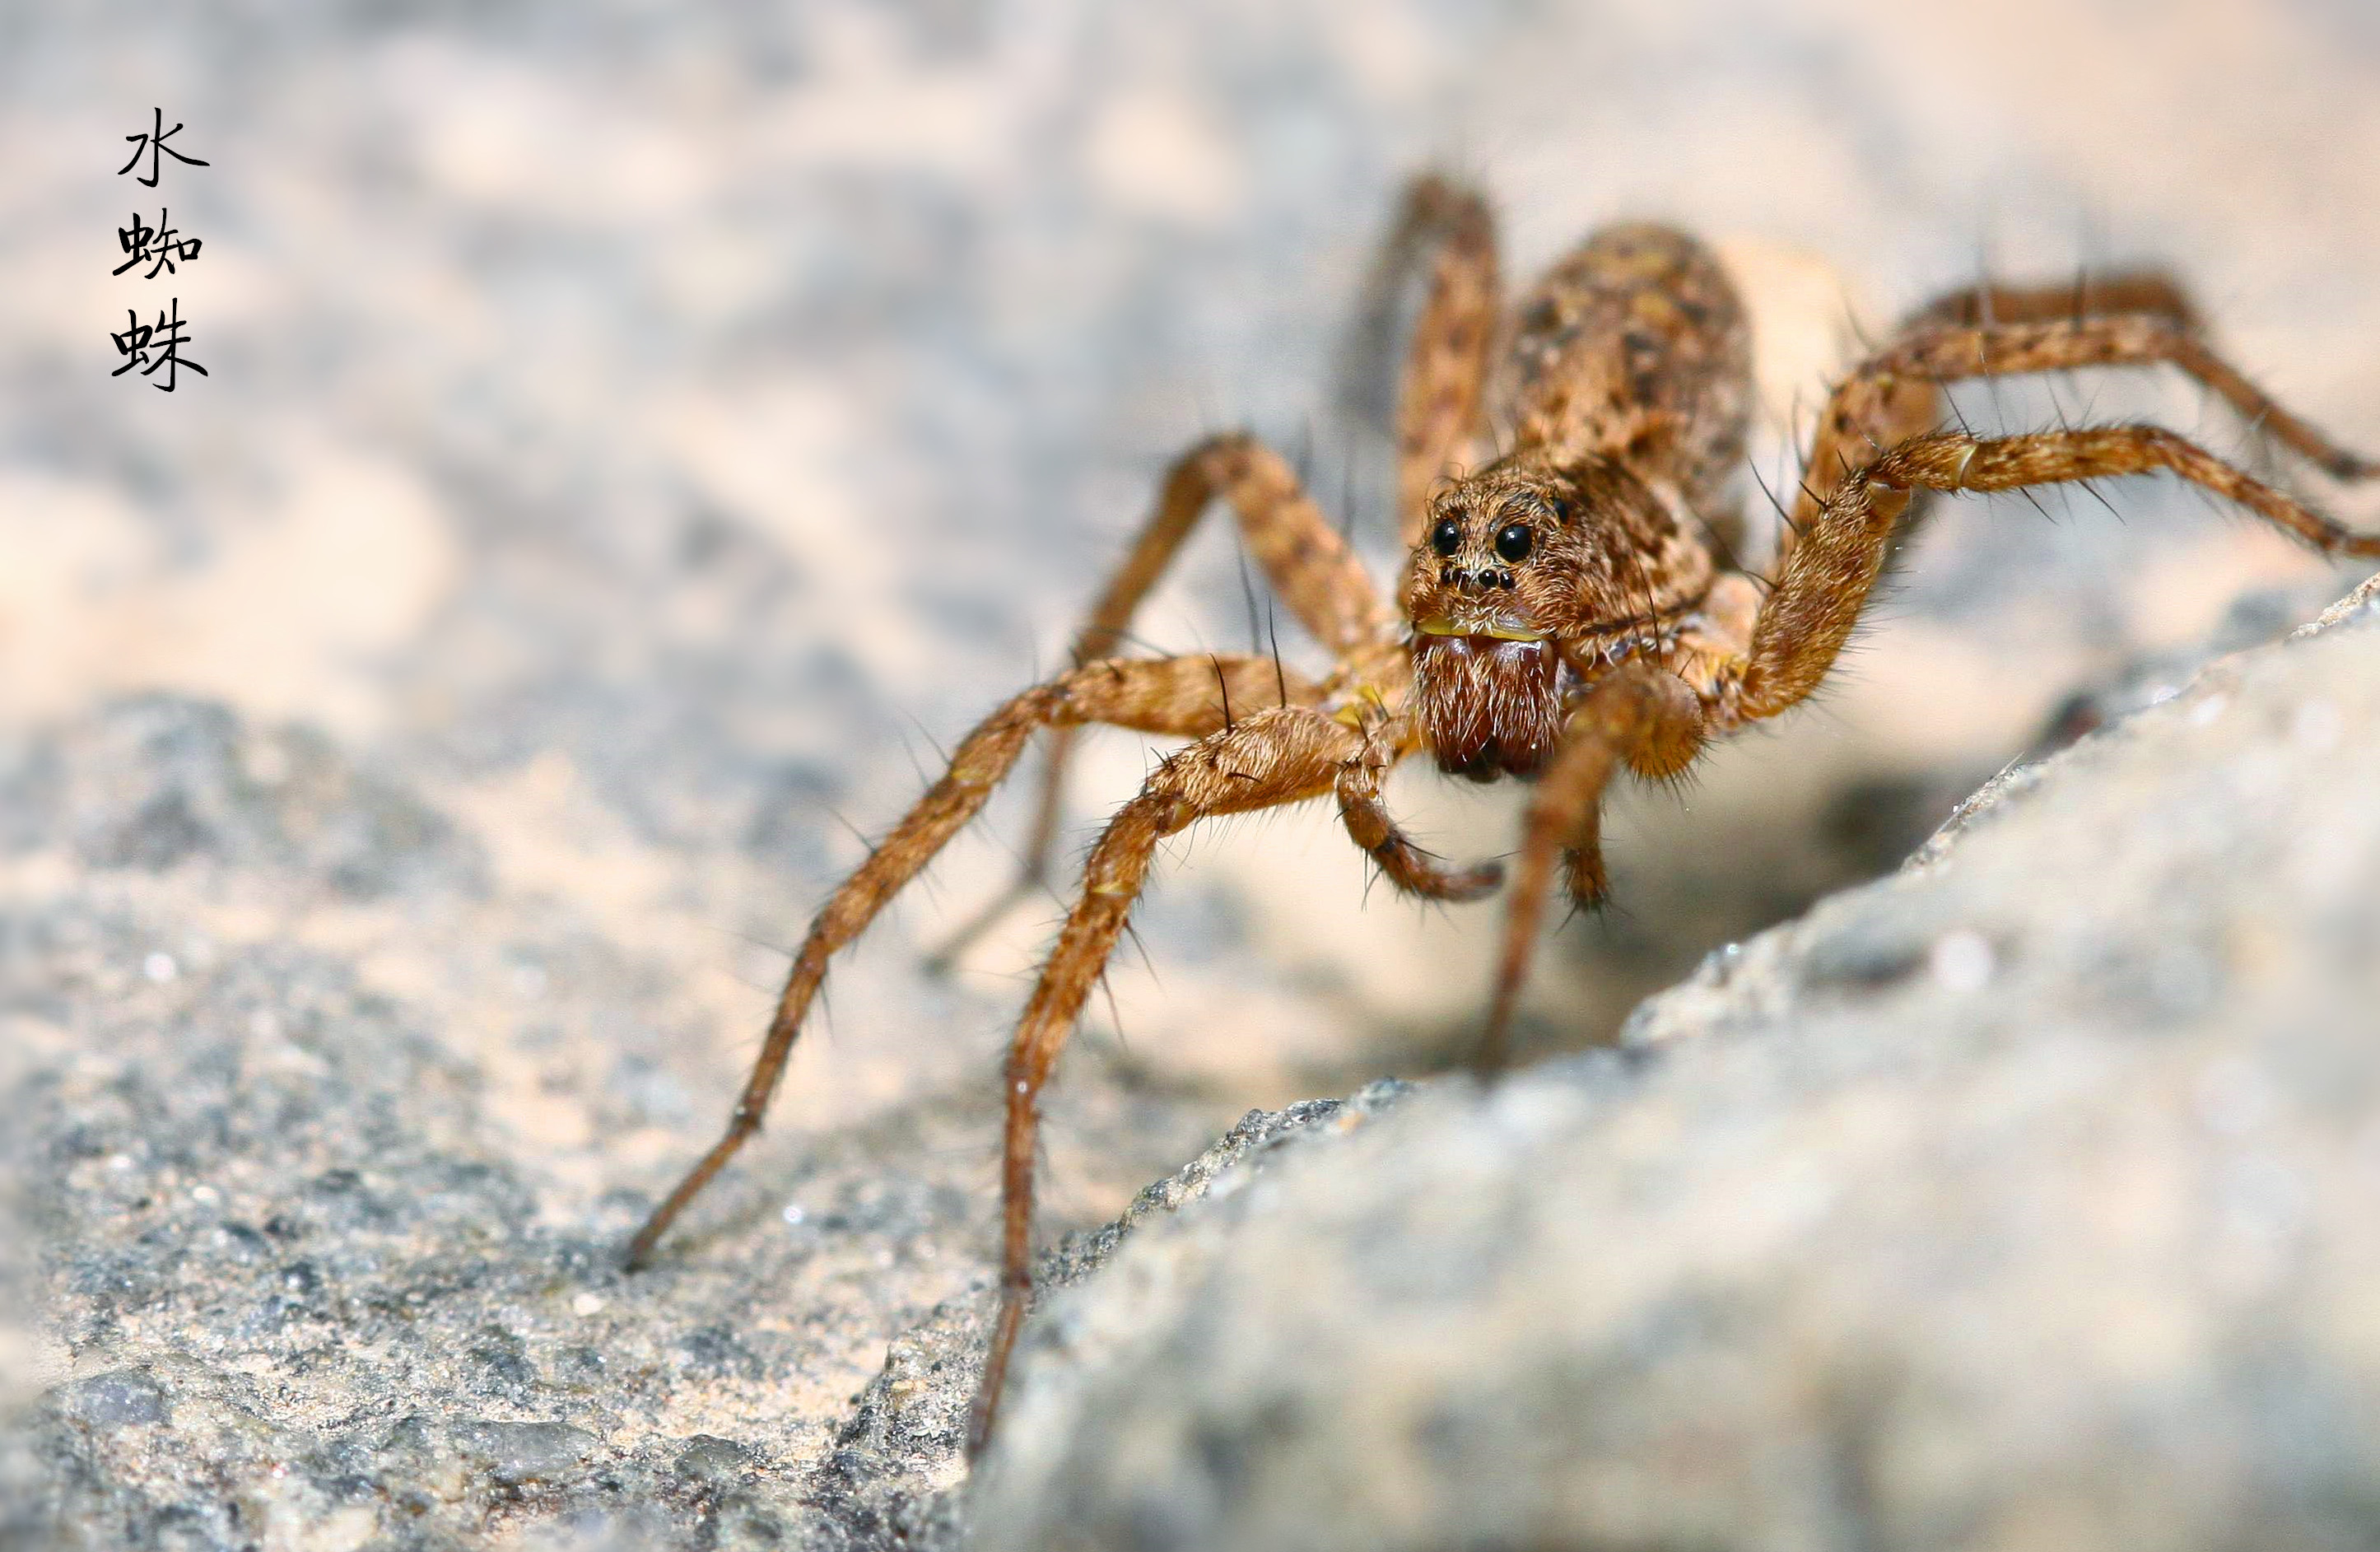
<point>638,434</point>
<point>2029,1198</point>
<point>896,1456</point>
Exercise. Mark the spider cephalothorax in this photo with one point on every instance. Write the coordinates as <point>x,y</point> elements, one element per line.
<point>1563,613</point>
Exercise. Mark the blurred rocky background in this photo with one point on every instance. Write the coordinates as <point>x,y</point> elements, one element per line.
<point>637,438</point>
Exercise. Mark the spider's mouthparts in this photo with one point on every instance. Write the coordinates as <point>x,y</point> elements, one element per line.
<point>1505,629</point>
<point>1491,707</point>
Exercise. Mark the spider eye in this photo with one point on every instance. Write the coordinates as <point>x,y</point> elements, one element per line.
<point>1513,543</point>
<point>1447,537</point>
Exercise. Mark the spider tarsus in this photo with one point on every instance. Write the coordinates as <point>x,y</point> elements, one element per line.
<point>640,1251</point>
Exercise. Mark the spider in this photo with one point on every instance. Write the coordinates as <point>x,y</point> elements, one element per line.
<point>1568,606</point>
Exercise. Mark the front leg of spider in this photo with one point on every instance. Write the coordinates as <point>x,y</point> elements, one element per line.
<point>1273,757</point>
<point>1642,716</point>
<point>1834,565</point>
<point>1303,557</point>
<point>1185,697</point>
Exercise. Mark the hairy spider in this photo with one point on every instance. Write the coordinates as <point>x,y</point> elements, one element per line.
<point>1567,607</point>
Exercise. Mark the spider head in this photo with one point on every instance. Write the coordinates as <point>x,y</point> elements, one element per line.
<point>1490,563</point>
<point>1514,562</point>
<point>1484,590</point>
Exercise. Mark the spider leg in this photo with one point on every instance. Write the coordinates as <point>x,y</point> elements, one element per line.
<point>1372,828</point>
<point>1986,304</point>
<point>1307,562</point>
<point>1645,717</point>
<point>1182,696</point>
<point>1268,758</point>
<point>1894,396</point>
<point>1442,388</point>
<point>2125,291</point>
<point>1802,624</point>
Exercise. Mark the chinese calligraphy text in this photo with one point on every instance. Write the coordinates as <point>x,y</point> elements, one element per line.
<point>151,345</point>
<point>151,144</point>
<point>163,249</point>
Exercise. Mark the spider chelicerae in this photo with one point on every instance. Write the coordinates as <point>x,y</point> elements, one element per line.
<point>1568,604</point>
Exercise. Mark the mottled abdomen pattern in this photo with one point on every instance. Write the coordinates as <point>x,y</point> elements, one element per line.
<point>1635,347</point>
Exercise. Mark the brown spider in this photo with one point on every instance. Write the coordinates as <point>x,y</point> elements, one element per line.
<point>1566,608</point>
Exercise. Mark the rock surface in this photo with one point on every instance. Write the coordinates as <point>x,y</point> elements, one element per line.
<point>2031,1197</point>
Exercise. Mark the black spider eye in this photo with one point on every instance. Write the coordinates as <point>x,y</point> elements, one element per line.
<point>1513,543</point>
<point>1447,537</point>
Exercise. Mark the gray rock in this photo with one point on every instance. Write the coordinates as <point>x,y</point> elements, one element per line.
<point>899,1458</point>
<point>2026,1198</point>
<point>164,778</point>
<point>512,1453</point>
<point>113,1401</point>
<point>713,1461</point>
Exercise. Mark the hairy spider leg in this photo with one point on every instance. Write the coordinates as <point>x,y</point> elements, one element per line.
<point>1308,564</point>
<point>1640,715</point>
<point>1877,416</point>
<point>1178,696</point>
<point>1373,829</point>
<point>2123,291</point>
<point>1264,760</point>
<point>1818,595</point>
<point>1890,397</point>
